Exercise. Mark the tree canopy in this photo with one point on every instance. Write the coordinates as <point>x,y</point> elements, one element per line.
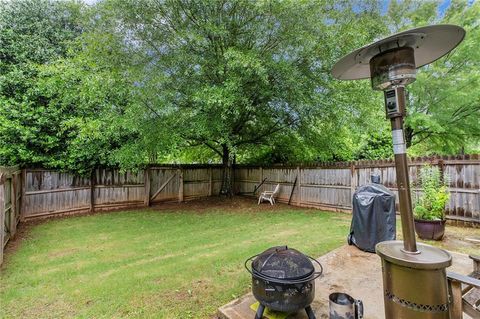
<point>444,104</point>
<point>55,104</point>
<point>126,83</point>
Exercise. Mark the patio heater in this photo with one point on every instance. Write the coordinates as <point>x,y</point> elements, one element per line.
<point>414,275</point>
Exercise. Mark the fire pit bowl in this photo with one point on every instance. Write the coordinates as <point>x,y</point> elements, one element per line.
<point>283,279</point>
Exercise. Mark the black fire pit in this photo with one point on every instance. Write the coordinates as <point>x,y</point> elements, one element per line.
<point>283,279</point>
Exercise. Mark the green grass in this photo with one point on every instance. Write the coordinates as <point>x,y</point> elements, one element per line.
<point>152,264</point>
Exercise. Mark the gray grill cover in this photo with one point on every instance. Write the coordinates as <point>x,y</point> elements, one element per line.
<point>373,219</point>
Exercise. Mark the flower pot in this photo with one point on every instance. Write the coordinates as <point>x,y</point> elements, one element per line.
<point>430,229</point>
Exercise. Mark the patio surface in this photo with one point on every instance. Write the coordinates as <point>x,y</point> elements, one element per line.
<point>346,269</point>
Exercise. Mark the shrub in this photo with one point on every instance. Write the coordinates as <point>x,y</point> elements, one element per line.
<point>431,204</point>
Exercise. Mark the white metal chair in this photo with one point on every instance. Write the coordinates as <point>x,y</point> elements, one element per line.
<point>269,195</point>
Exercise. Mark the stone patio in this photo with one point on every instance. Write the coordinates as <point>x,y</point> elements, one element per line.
<point>346,269</point>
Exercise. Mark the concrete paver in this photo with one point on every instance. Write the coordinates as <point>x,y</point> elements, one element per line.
<point>346,269</point>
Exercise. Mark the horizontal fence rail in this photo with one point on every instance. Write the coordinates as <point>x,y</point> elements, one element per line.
<point>323,185</point>
<point>50,192</point>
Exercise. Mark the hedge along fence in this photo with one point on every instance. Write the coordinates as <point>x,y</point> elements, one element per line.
<point>331,186</point>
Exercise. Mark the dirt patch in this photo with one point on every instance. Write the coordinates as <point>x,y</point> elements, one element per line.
<point>23,233</point>
<point>62,253</point>
<point>56,309</point>
<point>456,239</point>
<point>234,204</point>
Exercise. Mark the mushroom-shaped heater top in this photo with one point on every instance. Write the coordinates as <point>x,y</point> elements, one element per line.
<point>393,60</point>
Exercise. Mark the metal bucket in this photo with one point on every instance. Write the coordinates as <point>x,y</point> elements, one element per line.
<point>343,306</point>
<point>414,285</point>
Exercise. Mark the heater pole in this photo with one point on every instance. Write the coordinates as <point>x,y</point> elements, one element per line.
<point>414,274</point>
<point>401,167</point>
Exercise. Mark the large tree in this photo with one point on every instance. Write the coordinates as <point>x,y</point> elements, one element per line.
<point>229,75</point>
<point>128,82</point>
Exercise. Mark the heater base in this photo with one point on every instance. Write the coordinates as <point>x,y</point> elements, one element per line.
<point>414,285</point>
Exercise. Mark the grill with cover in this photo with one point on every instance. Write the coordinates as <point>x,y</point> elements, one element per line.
<point>373,219</point>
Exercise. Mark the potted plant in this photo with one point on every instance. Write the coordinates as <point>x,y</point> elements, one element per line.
<point>429,208</point>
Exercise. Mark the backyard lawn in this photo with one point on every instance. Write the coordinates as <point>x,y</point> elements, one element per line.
<point>171,261</point>
<point>179,262</point>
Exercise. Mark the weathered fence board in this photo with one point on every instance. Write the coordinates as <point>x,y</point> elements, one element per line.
<point>34,193</point>
<point>217,175</point>
<point>158,177</point>
<point>50,192</point>
<point>247,179</point>
<point>10,203</point>
<point>331,185</point>
<point>325,185</point>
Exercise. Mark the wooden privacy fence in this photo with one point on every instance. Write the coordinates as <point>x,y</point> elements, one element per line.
<point>326,185</point>
<point>50,192</point>
<point>31,193</point>
<point>331,185</point>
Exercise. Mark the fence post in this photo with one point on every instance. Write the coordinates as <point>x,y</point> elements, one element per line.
<point>210,183</point>
<point>13,209</point>
<point>2,214</point>
<point>23,207</point>
<point>441,168</point>
<point>261,180</point>
<point>299,187</point>
<point>180,188</point>
<point>353,179</point>
<point>92,191</point>
<point>146,177</point>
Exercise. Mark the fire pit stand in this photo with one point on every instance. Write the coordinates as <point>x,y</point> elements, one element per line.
<point>414,277</point>
<point>283,279</point>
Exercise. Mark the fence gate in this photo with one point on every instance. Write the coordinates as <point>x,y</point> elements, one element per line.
<point>10,195</point>
<point>165,184</point>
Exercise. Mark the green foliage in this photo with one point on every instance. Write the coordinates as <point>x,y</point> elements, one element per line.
<point>444,102</point>
<point>129,83</point>
<point>66,120</point>
<point>58,108</point>
<point>32,33</point>
<point>246,80</point>
<point>375,146</point>
<point>431,203</point>
<point>237,77</point>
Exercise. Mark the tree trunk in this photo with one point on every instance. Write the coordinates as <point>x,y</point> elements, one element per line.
<point>408,136</point>
<point>227,181</point>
